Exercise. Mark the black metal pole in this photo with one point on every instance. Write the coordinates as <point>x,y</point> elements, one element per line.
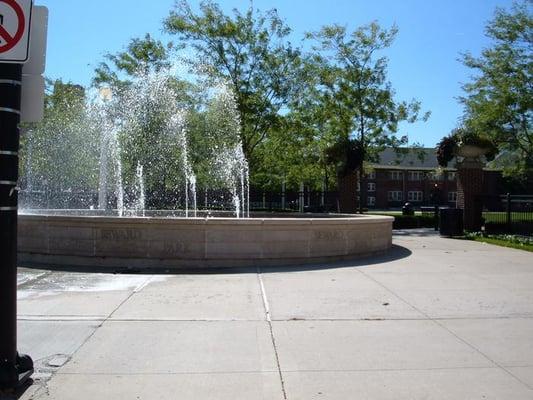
<point>508,212</point>
<point>13,367</point>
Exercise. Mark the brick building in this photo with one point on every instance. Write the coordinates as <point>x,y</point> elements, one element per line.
<point>413,176</point>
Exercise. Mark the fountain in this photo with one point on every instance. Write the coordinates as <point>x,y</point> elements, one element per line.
<point>120,190</point>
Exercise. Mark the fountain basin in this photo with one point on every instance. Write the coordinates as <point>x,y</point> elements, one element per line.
<point>158,242</point>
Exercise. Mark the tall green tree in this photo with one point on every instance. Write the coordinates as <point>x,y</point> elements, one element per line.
<point>499,99</point>
<point>141,56</point>
<point>145,112</point>
<point>251,51</point>
<point>354,103</point>
<point>59,153</point>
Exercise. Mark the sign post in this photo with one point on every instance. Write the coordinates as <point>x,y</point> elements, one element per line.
<point>15,22</point>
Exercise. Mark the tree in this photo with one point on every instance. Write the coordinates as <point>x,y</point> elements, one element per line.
<point>59,153</point>
<point>353,100</point>
<point>147,98</point>
<point>142,56</point>
<point>250,51</point>
<point>499,99</point>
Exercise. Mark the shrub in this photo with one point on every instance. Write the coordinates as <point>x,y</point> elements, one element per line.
<point>413,221</point>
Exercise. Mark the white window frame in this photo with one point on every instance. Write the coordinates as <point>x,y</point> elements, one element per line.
<point>371,187</point>
<point>395,195</point>
<point>371,175</point>
<point>370,201</point>
<point>416,176</point>
<point>434,176</point>
<point>415,195</point>
<point>396,175</point>
<point>452,197</point>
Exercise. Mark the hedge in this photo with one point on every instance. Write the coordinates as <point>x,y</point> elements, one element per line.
<point>413,221</point>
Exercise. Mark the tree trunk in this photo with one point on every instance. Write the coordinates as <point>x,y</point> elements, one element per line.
<point>347,187</point>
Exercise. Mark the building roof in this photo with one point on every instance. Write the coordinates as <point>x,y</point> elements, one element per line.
<point>408,158</point>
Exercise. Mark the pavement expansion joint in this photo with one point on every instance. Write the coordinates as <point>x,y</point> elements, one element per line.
<point>267,315</point>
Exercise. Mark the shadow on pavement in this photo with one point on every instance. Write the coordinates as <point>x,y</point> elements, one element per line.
<point>17,393</point>
<point>425,232</point>
<point>395,253</point>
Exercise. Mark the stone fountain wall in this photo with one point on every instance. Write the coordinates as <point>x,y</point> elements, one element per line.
<point>113,242</point>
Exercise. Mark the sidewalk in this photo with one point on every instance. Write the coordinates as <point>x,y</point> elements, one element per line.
<point>435,319</point>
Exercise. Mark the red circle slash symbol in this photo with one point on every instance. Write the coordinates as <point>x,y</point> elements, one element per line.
<point>11,41</point>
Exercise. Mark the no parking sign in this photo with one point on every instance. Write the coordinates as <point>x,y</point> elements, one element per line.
<point>15,22</point>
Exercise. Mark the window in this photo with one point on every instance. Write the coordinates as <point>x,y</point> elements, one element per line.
<point>416,175</point>
<point>452,197</point>
<point>371,175</point>
<point>415,196</point>
<point>396,175</point>
<point>395,195</point>
<point>358,186</point>
<point>452,176</point>
<point>435,176</point>
<point>370,201</point>
<point>371,187</point>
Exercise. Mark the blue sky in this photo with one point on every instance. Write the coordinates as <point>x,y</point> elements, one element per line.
<point>423,60</point>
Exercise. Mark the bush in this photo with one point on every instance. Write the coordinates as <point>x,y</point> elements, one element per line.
<point>413,221</point>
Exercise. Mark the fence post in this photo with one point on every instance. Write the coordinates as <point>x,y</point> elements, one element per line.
<point>508,212</point>
<point>283,194</point>
<point>301,198</point>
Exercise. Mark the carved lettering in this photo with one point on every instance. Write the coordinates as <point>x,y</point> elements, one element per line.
<point>173,248</point>
<point>121,234</point>
<point>329,235</point>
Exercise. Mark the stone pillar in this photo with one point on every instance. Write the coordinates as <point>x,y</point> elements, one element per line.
<point>347,186</point>
<point>469,190</point>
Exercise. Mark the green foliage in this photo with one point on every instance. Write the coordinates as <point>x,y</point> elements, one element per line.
<point>291,155</point>
<point>346,154</point>
<point>148,139</point>
<point>58,151</point>
<point>408,221</point>
<point>353,91</point>
<point>141,57</point>
<point>462,136</point>
<point>513,241</point>
<point>413,221</point>
<point>445,150</point>
<point>499,99</point>
<point>250,51</point>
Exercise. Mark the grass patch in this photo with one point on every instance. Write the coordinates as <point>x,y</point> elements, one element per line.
<point>512,241</point>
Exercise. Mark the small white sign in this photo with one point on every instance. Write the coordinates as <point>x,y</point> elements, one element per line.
<point>15,22</point>
<point>39,32</point>
<point>32,98</point>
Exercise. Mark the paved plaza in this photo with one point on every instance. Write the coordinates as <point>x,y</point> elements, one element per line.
<point>434,319</point>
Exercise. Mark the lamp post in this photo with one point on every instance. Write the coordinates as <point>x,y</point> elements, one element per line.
<point>14,368</point>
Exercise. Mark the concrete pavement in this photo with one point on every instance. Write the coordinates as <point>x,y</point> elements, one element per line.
<point>434,319</point>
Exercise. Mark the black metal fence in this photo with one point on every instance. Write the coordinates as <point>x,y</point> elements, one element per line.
<point>305,201</point>
<point>76,199</point>
<point>206,199</point>
<point>508,214</point>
